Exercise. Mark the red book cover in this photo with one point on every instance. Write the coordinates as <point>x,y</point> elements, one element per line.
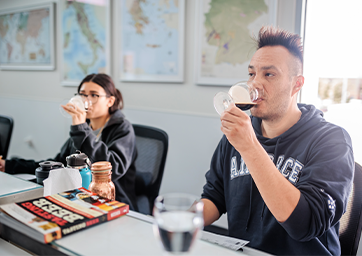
<point>64,213</point>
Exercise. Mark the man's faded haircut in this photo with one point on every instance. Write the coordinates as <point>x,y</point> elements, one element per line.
<point>271,36</point>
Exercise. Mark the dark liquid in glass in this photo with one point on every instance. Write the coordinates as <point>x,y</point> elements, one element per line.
<point>245,106</point>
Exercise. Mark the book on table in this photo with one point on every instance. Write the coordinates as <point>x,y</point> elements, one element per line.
<point>52,217</point>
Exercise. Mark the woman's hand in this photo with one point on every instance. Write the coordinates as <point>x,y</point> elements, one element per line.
<point>78,115</point>
<point>2,165</point>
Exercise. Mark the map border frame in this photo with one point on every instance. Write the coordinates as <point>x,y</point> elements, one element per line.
<point>218,81</point>
<point>61,38</point>
<point>34,66</point>
<point>179,78</point>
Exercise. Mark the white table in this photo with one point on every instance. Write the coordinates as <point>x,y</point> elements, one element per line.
<point>131,234</point>
<point>9,249</point>
<point>13,189</point>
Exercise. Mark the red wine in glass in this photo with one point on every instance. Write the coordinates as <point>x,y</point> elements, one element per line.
<point>245,105</point>
<point>243,95</point>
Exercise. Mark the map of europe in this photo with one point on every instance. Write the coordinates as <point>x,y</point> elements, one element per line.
<point>84,40</point>
<point>25,37</point>
<point>226,26</point>
<point>150,38</point>
<point>226,35</point>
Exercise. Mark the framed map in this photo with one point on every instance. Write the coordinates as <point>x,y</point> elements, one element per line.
<point>224,38</point>
<point>27,38</point>
<point>152,40</point>
<point>85,39</point>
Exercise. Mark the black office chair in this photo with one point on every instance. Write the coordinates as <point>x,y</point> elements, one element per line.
<point>351,222</point>
<point>152,146</point>
<point>6,129</point>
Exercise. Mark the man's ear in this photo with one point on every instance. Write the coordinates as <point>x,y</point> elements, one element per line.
<point>298,84</point>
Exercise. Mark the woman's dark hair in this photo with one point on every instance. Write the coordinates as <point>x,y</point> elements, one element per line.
<point>106,82</point>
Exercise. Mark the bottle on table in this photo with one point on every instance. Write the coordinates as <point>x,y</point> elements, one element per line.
<point>81,162</point>
<point>102,183</point>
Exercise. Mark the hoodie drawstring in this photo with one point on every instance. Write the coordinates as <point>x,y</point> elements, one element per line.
<point>250,197</point>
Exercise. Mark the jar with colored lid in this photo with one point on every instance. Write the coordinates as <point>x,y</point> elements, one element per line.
<point>102,183</point>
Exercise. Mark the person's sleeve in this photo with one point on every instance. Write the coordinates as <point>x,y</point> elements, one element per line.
<point>214,188</point>
<point>325,184</point>
<point>118,149</point>
<point>18,165</point>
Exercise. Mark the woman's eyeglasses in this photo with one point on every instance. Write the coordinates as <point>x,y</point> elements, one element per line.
<point>91,97</point>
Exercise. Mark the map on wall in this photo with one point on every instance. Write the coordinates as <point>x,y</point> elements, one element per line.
<point>85,39</point>
<point>152,35</point>
<point>225,32</point>
<point>26,38</point>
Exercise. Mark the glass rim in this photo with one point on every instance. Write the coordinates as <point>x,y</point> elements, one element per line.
<point>247,83</point>
<point>176,195</point>
<point>159,201</point>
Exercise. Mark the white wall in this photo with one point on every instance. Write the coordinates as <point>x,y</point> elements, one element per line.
<point>187,97</point>
<point>184,110</point>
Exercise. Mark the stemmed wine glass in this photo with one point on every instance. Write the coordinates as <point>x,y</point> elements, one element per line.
<point>77,102</point>
<point>178,218</point>
<point>243,94</point>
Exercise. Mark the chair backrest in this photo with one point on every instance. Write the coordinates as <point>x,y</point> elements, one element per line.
<point>152,146</point>
<point>351,221</point>
<point>6,129</point>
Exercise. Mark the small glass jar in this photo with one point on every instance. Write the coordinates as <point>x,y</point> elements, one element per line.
<point>102,183</point>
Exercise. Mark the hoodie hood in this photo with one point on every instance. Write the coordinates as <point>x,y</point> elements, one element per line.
<point>309,118</point>
<point>116,118</point>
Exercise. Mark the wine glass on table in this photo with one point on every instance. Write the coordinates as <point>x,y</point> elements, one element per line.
<point>77,101</point>
<point>178,219</point>
<point>243,94</point>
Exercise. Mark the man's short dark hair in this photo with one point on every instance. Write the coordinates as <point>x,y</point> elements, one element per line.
<point>271,36</point>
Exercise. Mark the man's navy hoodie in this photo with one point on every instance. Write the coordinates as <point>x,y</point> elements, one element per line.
<point>317,158</point>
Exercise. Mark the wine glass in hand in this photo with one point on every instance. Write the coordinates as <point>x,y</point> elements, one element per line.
<point>178,220</point>
<point>243,94</point>
<point>76,102</point>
